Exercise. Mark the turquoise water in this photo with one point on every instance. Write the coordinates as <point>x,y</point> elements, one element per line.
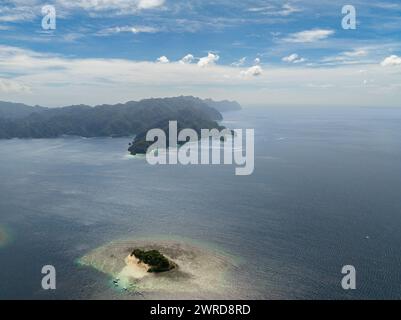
<point>325,193</point>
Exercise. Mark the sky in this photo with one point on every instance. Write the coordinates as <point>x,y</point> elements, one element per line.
<point>267,53</point>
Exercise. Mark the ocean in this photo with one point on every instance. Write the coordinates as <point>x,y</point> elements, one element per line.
<point>325,193</point>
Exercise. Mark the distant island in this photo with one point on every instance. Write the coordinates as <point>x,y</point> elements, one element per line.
<point>129,119</point>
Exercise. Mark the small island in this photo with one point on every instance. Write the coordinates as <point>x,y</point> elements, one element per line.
<point>154,259</point>
<point>160,268</point>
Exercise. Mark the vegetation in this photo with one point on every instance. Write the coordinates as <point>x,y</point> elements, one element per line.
<point>184,120</point>
<point>154,259</point>
<point>9,110</point>
<point>224,105</point>
<point>129,119</point>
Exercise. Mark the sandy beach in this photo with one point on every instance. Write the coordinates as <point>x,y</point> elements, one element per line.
<point>134,269</point>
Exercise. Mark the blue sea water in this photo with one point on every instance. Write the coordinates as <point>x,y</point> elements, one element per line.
<point>325,193</point>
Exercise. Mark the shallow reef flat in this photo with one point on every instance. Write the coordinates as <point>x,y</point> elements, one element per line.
<point>199,272</point>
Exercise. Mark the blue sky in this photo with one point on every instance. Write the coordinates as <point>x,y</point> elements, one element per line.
<point>258,52</point>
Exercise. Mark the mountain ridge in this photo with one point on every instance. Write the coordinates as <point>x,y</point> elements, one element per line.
<point>130,118</point>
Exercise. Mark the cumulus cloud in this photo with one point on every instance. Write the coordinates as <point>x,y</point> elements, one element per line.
<point>163,59</point>
<point>211,59</point>
<point>189,58</point>
<point>392,60</point>
<point>309,36</point>
<point>252,72</point>
<point>293,58</point>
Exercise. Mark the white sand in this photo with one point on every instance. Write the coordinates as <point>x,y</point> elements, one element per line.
<point>134,269</point>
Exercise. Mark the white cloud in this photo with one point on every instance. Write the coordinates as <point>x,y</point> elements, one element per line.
<point>288,9</point>
<point>261,9</point>
<point>309,36</point>
<point>293,58</point>
<point>15,18</point>
<point>189,58</point>
<point>118,6</point>
<point>132,29</point>
<point>256,61</point>
<point>392,60</point>
<point>347,57</point>
<point>10,86</point>
<point>55,80</point>
<point>239,63</point>
<point>356,53</point>
<point>163,59</point>
<point>271,10</point>
<point>211,59</point>
<point>252,72</point>
<point>17,13</point>
<point>72,37</point>
<point>7,52</point>
<point>14,11</point>
<point>150,4</point>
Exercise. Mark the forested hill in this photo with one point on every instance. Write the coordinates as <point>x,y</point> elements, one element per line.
<point>223,106</point>
<point>11,110</point>
<point>131,118</point>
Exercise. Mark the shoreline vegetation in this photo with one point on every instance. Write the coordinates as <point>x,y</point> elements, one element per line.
<point>155,261</point>
<point>140,145</point>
